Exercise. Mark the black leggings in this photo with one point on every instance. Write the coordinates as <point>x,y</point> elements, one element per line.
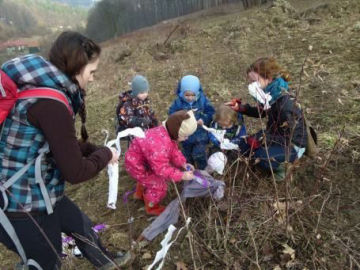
<point>67,218</point>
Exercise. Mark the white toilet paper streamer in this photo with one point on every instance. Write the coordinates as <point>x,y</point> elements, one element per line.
<point>225,144</point>
<point>161,254</point>
<point>113,169</point>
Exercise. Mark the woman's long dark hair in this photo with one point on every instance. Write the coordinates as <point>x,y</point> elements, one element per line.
<point>70,53</point>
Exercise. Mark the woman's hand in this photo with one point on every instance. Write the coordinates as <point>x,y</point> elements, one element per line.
<point>187,176</point>
<point>236,105</point>
<point>200,122</point>
<point>115,155</point>
<point>233,104</point>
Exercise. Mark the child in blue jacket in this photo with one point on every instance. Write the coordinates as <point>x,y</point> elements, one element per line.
<point>226,119</point>
<point>191,97</point>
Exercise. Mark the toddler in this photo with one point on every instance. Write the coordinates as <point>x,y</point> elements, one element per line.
<point>190,96</point>
<point>155,160</point>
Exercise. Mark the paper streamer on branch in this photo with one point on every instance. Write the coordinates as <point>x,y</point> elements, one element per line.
<point>225,144</point>
<point>113,169</point>
<point>161,254</point>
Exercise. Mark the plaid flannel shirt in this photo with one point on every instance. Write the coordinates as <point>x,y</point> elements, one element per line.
<point>20,141</point>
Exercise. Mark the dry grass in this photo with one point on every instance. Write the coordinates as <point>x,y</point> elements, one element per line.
<point>316,211</point>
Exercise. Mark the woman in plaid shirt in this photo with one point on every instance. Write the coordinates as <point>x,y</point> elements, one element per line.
<point>40,125</point>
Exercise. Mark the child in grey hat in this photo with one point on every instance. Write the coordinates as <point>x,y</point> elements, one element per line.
<point>133,109</point>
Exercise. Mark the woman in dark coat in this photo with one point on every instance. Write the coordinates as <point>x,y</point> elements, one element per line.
<point>285,137</point>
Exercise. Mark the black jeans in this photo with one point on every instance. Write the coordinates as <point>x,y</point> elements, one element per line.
<point>67,218</point>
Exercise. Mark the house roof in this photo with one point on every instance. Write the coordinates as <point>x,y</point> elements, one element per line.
<point>18,43</point>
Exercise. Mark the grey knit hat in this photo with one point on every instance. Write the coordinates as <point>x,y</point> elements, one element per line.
<point>139,85</point>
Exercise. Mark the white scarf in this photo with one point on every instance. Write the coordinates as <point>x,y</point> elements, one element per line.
<point>256,92</point>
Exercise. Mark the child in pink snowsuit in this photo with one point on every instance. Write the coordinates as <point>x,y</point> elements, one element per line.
<point>155,160</point>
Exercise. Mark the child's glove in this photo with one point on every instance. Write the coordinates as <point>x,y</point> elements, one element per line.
<point>253,142</point>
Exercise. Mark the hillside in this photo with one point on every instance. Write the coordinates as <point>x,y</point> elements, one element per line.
<point>37,17</point>
<point>53,14</point>
<point>316,212</point>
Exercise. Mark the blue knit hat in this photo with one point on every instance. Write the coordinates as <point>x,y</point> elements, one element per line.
<point>139,85</point>
<point>190,83</point>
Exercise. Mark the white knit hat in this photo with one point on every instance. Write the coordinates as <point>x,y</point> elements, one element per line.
<point>188,126</point>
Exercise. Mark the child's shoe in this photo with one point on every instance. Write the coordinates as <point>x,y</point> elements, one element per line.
<point>153,209</point>
<point>121,259</point>
<point>139,192</point>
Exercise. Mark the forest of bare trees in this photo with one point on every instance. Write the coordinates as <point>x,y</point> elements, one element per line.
<point>17,19</point>
<point>111,18</point>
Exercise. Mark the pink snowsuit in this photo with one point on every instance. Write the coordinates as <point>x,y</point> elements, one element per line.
<point>154,160</point>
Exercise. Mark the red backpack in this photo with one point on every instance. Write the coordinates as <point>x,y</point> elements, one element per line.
<point>9,93</point>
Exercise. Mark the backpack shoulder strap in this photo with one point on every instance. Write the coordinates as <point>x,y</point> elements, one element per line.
<point>9,229</point>
<point>5,222</point>
<point>2,90</point>
<point>48,93</point>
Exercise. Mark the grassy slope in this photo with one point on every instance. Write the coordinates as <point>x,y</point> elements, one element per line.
<point>218,48</point>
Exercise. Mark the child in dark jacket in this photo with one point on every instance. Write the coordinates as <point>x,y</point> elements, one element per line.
<point>191,97</point>
<point>134,108</point>
<point>226,119</point>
